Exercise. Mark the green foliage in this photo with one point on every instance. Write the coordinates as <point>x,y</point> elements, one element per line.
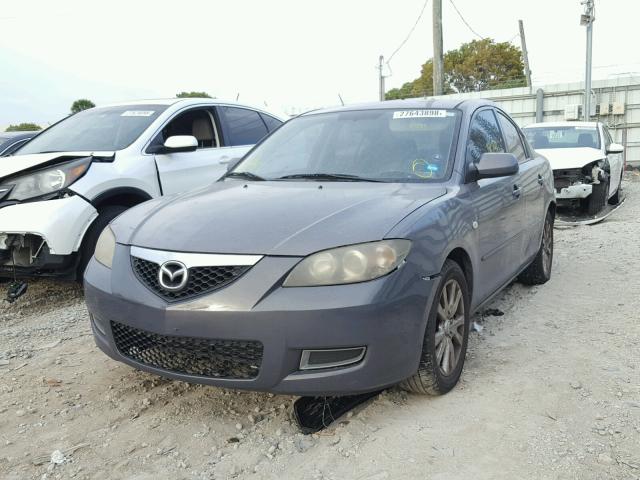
<point>23,127</point>
<point>475,66</point>
<point>193,95</point>
<point>81,104</point>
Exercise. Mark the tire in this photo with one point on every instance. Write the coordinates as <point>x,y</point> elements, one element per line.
<point>616,197</point>
<point>90,239</point>
<point>598,198</point>
<point>432,377</point>
<point>539,270</point>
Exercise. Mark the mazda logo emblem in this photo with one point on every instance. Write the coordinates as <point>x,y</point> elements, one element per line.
<point>173,275</point>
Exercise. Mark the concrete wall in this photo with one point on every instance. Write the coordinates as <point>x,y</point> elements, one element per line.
<point>520,103</point>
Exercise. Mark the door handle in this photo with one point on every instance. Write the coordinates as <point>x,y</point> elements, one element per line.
<point>225,160</point>
<point>516,191</point>
<point>540,179</point>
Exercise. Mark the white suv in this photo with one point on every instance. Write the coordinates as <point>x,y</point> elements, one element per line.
<point>59,191</point>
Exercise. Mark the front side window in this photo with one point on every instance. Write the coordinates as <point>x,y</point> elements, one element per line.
<point>512,138</point>
<point>97,129</point>
<point>197,123</point>
<point>383,145</point>
<point>241,126</point>
<point>563,137</point>
<point>484,136</point>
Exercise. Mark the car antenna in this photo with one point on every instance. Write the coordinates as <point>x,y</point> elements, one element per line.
<point>237,96</point>
<point>341,101</point>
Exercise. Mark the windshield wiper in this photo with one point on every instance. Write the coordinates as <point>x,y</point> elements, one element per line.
<point>329,176</point>
<point>246,175</point>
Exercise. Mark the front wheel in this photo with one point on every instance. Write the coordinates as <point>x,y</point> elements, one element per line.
<point>539,271</point>
<point>445,340</point>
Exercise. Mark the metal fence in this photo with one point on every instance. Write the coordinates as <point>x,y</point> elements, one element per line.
<point>615,102</point>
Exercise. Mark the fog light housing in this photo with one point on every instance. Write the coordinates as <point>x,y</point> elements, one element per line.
<point>331,357</point>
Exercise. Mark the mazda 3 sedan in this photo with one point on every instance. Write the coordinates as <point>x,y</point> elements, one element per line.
<point>343,254</point>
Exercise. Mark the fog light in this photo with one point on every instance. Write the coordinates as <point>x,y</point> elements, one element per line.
<point>328,358</point>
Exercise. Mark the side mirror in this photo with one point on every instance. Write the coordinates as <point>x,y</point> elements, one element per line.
<point>232,163</point>
<point>180,143</point>
<point>615,148</point>
<point>492,165</point>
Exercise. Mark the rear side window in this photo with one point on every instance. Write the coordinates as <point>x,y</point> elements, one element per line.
<point>512,138</point>
<point>272,123</point>
<point>484,136</point>
<point>241,126</point>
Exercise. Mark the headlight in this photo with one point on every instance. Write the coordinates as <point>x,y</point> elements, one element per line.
<point>105,247</point>
<point>45,181</point>
<point>352,264</point>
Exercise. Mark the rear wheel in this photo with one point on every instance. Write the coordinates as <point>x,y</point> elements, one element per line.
<point>91,237</point>
<point>445,341</point>
<point>539,271</point>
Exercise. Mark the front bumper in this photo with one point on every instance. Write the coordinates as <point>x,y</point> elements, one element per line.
<point>61,223</point>
<point>387,316</point>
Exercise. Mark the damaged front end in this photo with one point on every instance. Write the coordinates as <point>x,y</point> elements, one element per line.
<point>29,254</point>
<point>577,183</point>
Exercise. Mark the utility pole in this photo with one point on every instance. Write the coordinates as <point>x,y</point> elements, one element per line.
<point>381,78</point>
<point>438,60</point>
<point>587,19</point>
<point>525,54</point>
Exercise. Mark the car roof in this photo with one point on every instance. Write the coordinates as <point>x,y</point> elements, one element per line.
<point>192,101</point>
<point>24,133</point>
<point>416,103</point>
<point>562,124</point>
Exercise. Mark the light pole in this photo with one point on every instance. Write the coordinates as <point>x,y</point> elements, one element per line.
<point>587,19</point>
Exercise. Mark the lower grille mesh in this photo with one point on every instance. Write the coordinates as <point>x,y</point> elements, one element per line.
<point>237,359</point>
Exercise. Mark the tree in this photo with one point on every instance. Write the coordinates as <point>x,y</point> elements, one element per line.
<point>81,104</point>
<point>23,127</point>
<point>193,95</point>
<point>475,66</point>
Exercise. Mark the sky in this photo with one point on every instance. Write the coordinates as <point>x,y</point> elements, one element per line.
<point>287,55</point>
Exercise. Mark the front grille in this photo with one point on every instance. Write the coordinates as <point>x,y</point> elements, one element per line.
<point>201,279</point>
<point>212,358</point>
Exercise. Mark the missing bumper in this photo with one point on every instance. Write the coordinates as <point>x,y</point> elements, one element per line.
<point>330,358</point>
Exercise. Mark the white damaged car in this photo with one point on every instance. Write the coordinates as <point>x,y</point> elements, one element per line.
<point>59,190</point>
<point>587,164</point>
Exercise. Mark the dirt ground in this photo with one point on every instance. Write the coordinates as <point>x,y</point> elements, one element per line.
<point>550,390</point>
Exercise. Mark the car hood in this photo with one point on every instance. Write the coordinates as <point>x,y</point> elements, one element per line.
<point>18,163</point>
<point>272,218</point>
<point>566,158</point>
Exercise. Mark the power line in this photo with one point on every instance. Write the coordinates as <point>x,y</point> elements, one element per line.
<point>465,21</point>
<point>410,32</point>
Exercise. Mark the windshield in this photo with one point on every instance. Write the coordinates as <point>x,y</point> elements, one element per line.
<point>382,145</point>
<point>562,137</point>
<point>98,129</point>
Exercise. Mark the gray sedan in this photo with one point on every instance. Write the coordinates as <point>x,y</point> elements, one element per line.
<point>343,254</point>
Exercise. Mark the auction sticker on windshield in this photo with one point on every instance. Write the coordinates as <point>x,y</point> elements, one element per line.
<point>419,114</point>
<point>137,113</point>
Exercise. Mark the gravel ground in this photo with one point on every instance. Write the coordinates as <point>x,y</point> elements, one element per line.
<point>550,390</point>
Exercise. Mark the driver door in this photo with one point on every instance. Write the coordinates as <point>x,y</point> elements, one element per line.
<point>182,171</point>
<point>499,206</point>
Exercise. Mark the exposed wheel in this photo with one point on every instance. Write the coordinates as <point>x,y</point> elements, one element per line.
<point>88,246</point>
<point>616,197</point>
<point>445,341</point>
<point>539,271</point>
<point>598,198</point>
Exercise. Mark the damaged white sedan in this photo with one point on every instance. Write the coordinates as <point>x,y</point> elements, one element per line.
<point>587,164</point>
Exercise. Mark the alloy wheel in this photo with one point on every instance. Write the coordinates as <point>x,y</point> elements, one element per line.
<point>450,325</point>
